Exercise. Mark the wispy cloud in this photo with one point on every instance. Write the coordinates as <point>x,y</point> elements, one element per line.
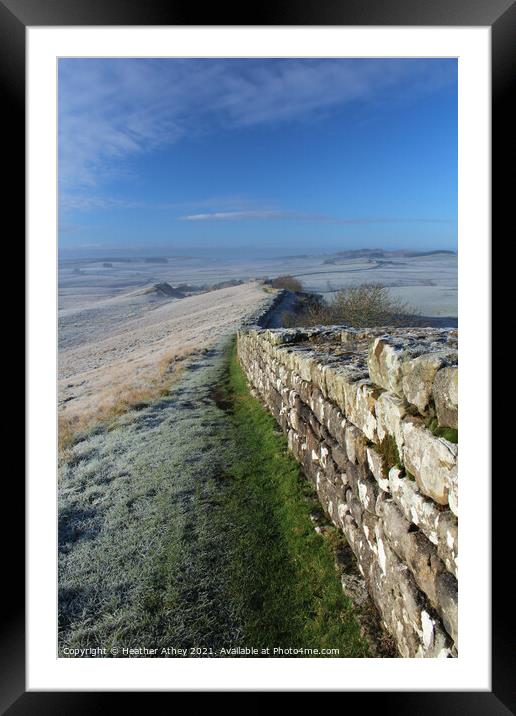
<point>86,202</point>
<point>280,215</point>
<point>113,109</point>
<point>254,214</point>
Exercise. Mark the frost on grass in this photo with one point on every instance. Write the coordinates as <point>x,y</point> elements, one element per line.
<point>188,524</point>
<point>140,555</point>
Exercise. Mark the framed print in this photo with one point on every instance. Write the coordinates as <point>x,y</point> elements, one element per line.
<point>255,250</point>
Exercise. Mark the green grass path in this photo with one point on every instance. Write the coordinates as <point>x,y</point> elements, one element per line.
<point>283,571</point>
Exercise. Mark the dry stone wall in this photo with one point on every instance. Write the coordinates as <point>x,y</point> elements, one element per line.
<point>372,417</point>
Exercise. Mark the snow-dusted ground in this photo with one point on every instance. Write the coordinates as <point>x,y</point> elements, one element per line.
<point>113,333</point>
<point>115,344</point>
<point>428,282</point>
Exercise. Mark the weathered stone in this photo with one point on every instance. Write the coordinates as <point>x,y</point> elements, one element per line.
<point>310,466</point>
<point>295,421</point>
<point>367,490</point>
<point>315,382</point>
<point>335,422</point>
<point>352,474</point>
<point>453,494</point>
<point>418,377</point>
<point>317,405</point>
<point>303,387</point>
<point>318,373</point>
<point>287,335</point>
<point>446,588</point>
<point>370,528</point>
<point>328,415</point>
<point>390,411</point>
<point>295,444</point>
<point>375,462</point>
<point>294,399</point>
<point>313,444</point>
<point>360,401</point>
<point>439,526</point>
<point>356,444</point>
<point>382,496</point>
<point>417,508</point>
<point>342,511</point>
<point>406,366</point>
<point>430,459</point>
<point>448,541</point>
<point>407,615</point>
<point>338,378</point>
<point>302,363</point>
<point>352,335</point>
<point>316,426</point>
<point>384,362</point>
<point>446,396</point>
<point>355,506</point>
<point>340,456</point>
<point>415,550</point>
<point>330,495</point>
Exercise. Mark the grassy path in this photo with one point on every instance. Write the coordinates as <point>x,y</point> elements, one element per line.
<point>283,571</point>
<point>187,525</point>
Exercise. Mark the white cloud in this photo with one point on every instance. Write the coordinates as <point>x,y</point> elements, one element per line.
<point>110,110</point>
<point>300,216</point>
<point>253,214</point>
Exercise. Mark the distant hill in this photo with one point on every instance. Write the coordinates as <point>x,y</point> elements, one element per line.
<point>382,254</point>
<point>165,289</point>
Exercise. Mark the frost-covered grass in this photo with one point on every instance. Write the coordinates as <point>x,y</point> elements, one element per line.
<point>187,524</point>
<point>118,398</point>
<point>141,559</point>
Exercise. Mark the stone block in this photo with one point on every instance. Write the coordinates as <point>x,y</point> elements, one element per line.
<point>430,459</point>
<point>390,411</point>
<point>356,444</point>
<point>418,509</point>
<point>446,396</point>
<point>385,359</point>
<point>360,401</point>
<point>367,492</point>
<point>421,557</point>
<point>453,494</point>
<point>418,377</point>
<point>448,541</point>
<point>375,462</point>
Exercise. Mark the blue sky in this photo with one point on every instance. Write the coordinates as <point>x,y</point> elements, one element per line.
<point>259,157</point>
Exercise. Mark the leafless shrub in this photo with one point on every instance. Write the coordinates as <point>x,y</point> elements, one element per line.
<point>364,306</point>
<point>288,282</point>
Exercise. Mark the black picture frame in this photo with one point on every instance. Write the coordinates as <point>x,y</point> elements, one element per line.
<point>500,15</point>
